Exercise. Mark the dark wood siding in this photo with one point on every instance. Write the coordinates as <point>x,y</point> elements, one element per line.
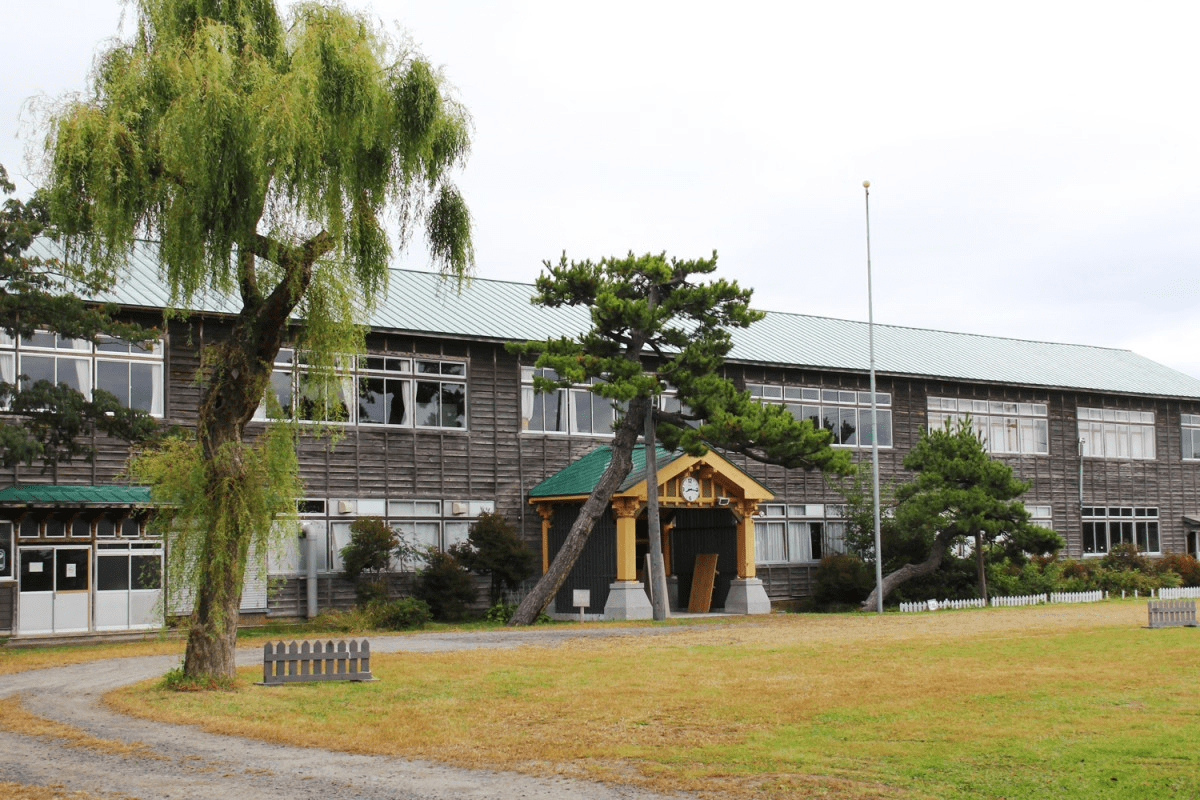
<point>8,594</point>
<point>493,460</point>
<point>596,568</point>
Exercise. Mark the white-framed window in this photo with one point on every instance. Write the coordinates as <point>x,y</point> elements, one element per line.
<point>1116,433</point>
<point>843,412</point>
<point>132,373</point>
<point>1105,526</point>
<point>423,521</point>
<point>575,410</point>
<point>1190,424</point>
<point>1003,426</point>
<point>798,533</point>
<point>401,391</point>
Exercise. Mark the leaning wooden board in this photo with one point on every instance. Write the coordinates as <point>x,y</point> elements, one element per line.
<point>703,577</point>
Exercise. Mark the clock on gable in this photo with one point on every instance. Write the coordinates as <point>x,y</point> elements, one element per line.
<point>690,488</point>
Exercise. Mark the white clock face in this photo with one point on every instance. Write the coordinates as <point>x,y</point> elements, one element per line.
<point>691,489</point>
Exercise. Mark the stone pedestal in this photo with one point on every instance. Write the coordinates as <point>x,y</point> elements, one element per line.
<point>673,591</point>
<point>747,596</point>
<point>628,600</point>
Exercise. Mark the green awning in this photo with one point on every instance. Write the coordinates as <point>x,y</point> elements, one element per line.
<point>34,495</point>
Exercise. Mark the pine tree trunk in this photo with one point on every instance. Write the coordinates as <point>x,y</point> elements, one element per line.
<point>618,468</point>
<point>941,543</point>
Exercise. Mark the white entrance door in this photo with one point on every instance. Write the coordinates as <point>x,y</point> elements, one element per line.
<point>128,587</point>
<point>54,590</point>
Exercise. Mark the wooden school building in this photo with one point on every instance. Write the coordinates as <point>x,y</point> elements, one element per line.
<point>442,424</point>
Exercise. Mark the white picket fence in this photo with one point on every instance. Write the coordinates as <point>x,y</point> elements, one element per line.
<point>1006,602</point>
<point>1181,593</point>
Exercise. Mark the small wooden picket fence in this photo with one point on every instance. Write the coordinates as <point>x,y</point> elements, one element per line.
<point>1172,613</point>
<point>316,661</point>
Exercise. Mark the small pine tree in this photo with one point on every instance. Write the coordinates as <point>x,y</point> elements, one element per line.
<point>494,549</point>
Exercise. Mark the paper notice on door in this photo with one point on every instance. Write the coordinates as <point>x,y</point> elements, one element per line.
<point>35,566</point>
<point>70,570</point>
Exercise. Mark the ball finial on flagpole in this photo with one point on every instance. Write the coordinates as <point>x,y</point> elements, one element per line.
<point>866,184</point>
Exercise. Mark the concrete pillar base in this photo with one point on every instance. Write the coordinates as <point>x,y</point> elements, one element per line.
<point>628,600</point>
<point>747,596</point>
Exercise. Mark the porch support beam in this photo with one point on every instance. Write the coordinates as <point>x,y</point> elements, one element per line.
<point>626,509</point>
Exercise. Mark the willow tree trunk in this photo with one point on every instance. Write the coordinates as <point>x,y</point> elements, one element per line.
<point>941,543</point>
<point>228,404</point>
<point>237,382</point>
<point>618,468</point>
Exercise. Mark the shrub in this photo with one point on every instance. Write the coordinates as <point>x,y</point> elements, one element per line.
<point>401,615</point>
<point>347,620</point>
<point>501,613</point>
<point>842,579</point>
<point>1115,581</point>
<point>1124,557</point>
<point>366,558</point>
<point>445,585</point>
<point>494,549</point>
<point>1182,564</point>
<point>176,681</point>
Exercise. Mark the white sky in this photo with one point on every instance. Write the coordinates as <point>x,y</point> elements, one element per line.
<point>1033,166</point>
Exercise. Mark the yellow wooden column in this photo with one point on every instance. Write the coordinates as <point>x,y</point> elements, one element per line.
<point>626,509</point>
<point>745,538</point>
<point>547,513</point>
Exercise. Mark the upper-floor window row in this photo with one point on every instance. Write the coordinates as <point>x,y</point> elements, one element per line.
<point>397,391</point>
<point>845,413</point>
<point>133,373</point>
<point>1191,435</point>
<point>1116,433</point>
<point>572,410</point>
<point>1002,426</point>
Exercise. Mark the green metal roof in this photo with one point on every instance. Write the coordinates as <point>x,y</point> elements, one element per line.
<point>425,303</point>
<point>581,477</point>
<point>75,495</point>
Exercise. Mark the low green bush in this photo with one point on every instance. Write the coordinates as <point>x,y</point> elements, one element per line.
<point>401,615</point>
<point>501,612</point>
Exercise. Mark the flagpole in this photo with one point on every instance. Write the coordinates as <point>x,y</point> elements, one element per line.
<point>874,410</point>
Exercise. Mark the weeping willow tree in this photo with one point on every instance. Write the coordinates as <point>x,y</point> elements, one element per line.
<point>262,156</point>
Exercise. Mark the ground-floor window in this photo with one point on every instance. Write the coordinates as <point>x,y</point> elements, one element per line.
<point>1106,526</point>
<point>426,522</point>
<point>798,533</point>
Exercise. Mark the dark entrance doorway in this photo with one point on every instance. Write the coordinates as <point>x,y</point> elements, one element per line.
<point>698,531</point>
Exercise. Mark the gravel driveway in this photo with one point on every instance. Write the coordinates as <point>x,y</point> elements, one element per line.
<point>185,762</point>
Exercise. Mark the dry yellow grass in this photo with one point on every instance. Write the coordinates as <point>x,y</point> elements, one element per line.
<point>16,718</point>
<point>20,791</point>
<point>22,659</point>
<point>785,705</point>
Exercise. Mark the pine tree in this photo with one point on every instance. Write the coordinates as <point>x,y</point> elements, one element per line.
<point>959,491</point>
<point>655,325</point>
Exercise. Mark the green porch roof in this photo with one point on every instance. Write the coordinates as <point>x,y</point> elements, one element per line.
<point>581,477</point>
<point>75,495</point>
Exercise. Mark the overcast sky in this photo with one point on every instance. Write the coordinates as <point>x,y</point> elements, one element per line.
<point>1033,166</point>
